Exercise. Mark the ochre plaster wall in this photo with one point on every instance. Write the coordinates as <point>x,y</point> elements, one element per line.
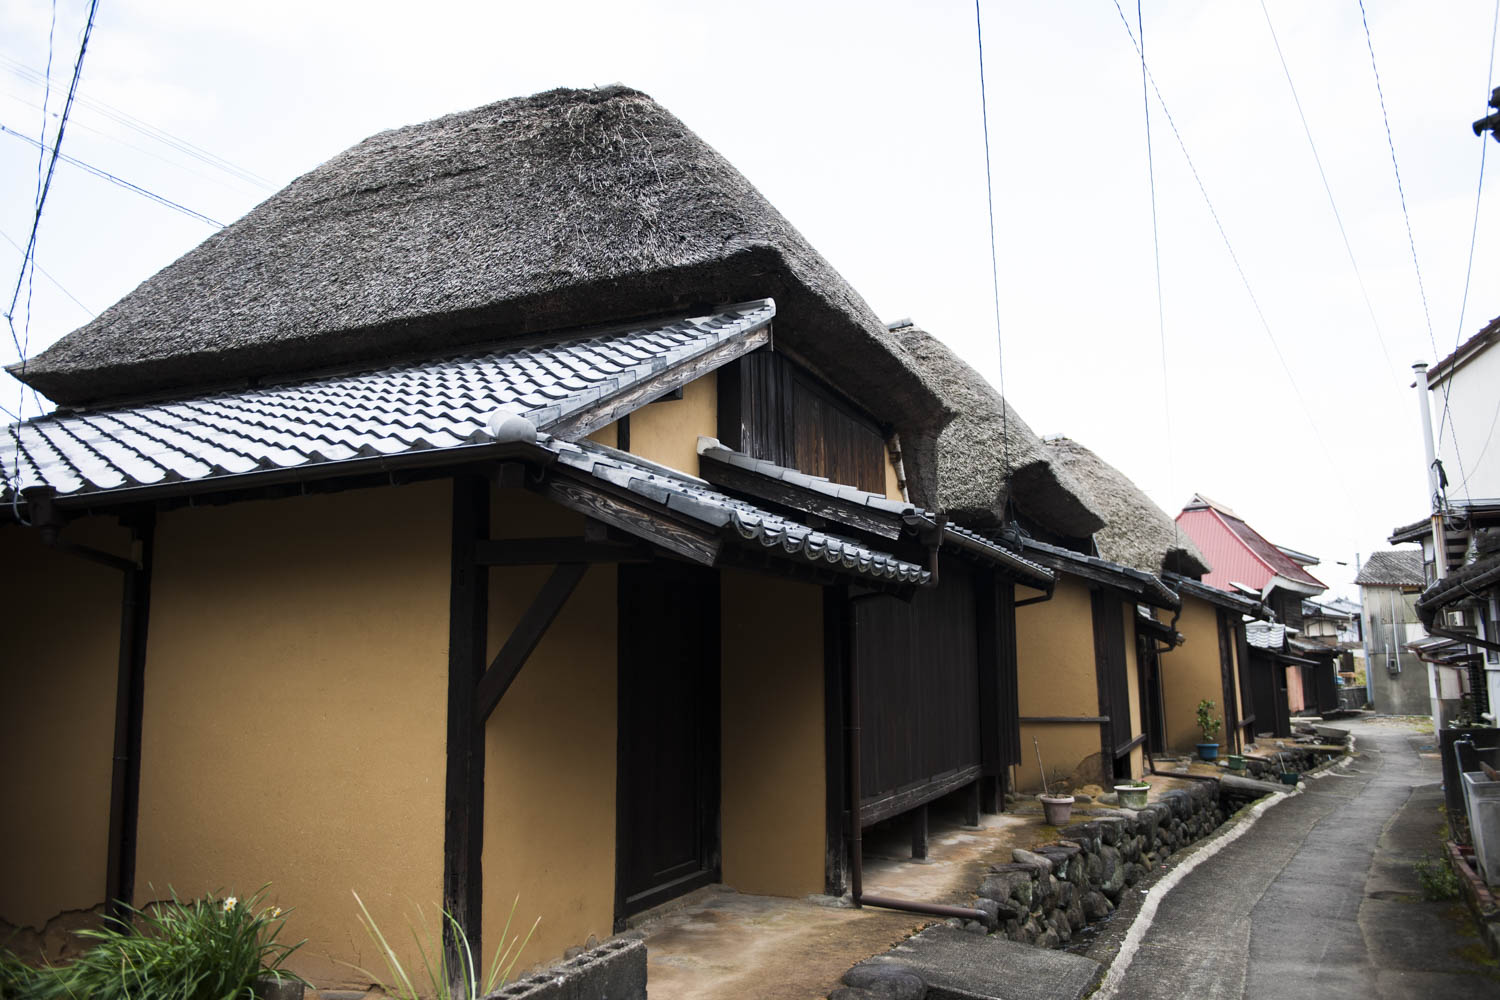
<point>773,789</point>
<point>607,435</point>
<point>1190,673</point>
<point>549,815</point>
<point>1133,687</point>
<point>58,669</point>
<point>892,481</point>
<point>1057,677</point>
<point>295,707</point>
<point>667,432</point>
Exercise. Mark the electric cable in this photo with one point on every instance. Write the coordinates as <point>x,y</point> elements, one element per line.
<point>1400,190</point>
<point>123,118</point>
<point>1234,258</point>
<point>120,181</point>
<point>989,193</point>
<point>1161,313</point>
<point>1328,190</point>
<point>36,221</point>
<point>1444,417</point>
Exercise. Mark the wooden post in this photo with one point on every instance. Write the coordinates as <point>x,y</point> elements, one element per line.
<point>463,809</point>
<point>836,780</point>
<point>919,832</point>
<point>972,803</point>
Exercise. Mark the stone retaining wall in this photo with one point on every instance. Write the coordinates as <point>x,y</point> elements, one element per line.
<point>1044,896</point>
<point>1268,766</point>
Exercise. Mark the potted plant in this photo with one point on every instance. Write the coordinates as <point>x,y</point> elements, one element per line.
<point>1210,725</point>
<point>1132,793</point>
<point>1059,807</point>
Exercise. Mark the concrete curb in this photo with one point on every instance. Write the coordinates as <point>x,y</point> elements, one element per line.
<point>1199,853</point>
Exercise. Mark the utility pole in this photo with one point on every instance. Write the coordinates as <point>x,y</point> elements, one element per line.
<point>1492,123</point>
<point>1434,481</point>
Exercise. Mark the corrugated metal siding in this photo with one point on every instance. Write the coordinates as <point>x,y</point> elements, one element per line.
<point>1232,562</point>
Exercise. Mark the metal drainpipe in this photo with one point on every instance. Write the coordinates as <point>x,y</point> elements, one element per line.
<point>856,830</point>
<point>135,613</point>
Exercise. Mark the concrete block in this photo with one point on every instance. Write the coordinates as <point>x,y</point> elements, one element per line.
<point>616,970</point>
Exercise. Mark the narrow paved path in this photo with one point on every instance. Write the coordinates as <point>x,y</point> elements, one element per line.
<point>1318,899</point>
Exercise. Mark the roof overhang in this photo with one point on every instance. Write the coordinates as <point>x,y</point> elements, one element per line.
<point>1133,582</point>
<point>1213,595</point>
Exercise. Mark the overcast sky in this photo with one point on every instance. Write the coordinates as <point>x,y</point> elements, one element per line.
<point>861,122</point>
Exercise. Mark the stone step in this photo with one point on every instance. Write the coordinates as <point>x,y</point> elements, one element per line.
<point>957,965</point>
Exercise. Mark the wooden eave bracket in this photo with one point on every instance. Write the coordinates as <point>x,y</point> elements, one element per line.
<point>528,632</point>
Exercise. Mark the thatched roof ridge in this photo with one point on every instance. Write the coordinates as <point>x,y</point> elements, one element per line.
<point>541,213</point>
<point>1137,533</point>
<point>988,455</point>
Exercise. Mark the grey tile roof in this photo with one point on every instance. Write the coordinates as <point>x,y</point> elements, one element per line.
<point>692,498</point>
<point>955,534</point>
<point>1392,568</point>
<point>712,448</point>
<point>419,406</point>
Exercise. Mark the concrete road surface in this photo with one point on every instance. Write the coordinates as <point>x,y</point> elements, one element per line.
<point>1318,899</point>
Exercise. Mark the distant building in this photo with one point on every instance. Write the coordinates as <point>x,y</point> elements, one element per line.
<point>1395,676</point>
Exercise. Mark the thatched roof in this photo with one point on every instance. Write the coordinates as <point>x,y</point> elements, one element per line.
<point>1137,533</point>
<point>988,455</point>
<point>541,213</point>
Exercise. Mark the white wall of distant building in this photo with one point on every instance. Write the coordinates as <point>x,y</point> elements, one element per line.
<point>1472,424</point>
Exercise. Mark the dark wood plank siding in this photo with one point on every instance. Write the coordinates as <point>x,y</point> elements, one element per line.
<point>1109,662</point>
<point>771,408</point>
<point>918,668</point>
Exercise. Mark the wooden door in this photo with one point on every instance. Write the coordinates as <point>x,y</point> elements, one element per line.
<point>667,838</point>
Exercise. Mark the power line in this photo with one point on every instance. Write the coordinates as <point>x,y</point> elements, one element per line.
<point>1228,246</point>
<point>989,193</point>
<point>1443,419</point>
<point>120,181</point>
<point>145,128</point>
<point>44,273</point>
<point>62,125</point>
<point>28,254</point>
<point>1400,190</point>
<point>1328,189</point>
<point>1161,312</point>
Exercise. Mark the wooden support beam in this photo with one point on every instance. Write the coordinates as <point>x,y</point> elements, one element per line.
<point>551,551</point>
<point>463,809</point>
<point>528,632</point>
<point>971,803</point>
<point>919,832</point>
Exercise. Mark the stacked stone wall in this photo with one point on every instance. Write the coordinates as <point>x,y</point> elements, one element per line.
<point>1048,894</point>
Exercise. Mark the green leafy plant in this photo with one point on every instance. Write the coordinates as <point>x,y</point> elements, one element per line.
<point>1208,722</point>
<point>206,949</point>
<point>1439,880</point>
<point>441,981</point>
<point>1134,783</point>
